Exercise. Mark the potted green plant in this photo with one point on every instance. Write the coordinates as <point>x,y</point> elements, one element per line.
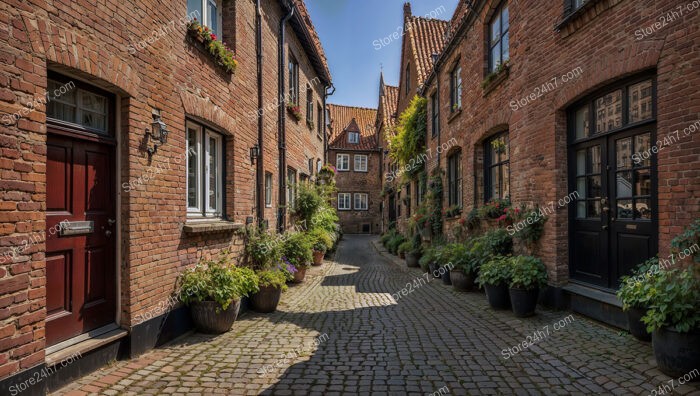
<point>634,293</point>
<point>426,259</point>
<point>322,242</point>
<point>528,275</point>
<point>495,277</point>
<point>271,284</point>
<point>213,291</point>
<point>434,265</point>
<point>414,253</point>
<point>461,273</point>
<point>673,318</point>
<point>297,250</point>
<point>404,247</point>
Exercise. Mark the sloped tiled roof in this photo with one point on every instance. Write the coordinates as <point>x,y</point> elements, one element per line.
<point>319,56</point>
<point>426,37</point>
<point>389,101</point>
<point>458,16</point>
<point>346,119</point>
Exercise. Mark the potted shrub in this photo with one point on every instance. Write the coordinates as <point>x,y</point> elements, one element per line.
<point>404,247</point>
<point>297,250</point>
<point>494,276</point>
<point>528,275</point>
<point>415,252</point>
<point>434,265</point>
<point>635,293</point>
<point>271,284</point>
<point>426,259</point>
<point>673,318</point>
<point>322,241</point>
<point>462,272</point>
<point>213,291</point>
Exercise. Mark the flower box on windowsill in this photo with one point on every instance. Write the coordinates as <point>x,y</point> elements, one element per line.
<point>294,111</point>
<point>496,78</point>
<point>214,226</point>
<point>215,48</point>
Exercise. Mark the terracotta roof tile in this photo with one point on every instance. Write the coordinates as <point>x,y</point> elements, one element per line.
<point>427,37</point>
<point>304,14</point>
<point>389,103</point>
<point>346,119</point>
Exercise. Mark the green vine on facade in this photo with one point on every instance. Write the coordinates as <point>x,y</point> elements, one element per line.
<point>407,146</point>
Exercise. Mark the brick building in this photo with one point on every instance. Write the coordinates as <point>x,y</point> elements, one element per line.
<point>99,214</point>
<point>423,39</point>
<point>355,153</point>
<point>546,101</point>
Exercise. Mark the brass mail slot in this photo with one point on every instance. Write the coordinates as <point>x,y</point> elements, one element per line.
<point>631,226</point>
<point>71,228</point>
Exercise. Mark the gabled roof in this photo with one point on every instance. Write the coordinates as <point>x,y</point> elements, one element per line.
<point>346,119</point>
<point>425,37</point>
<point>305,31</point>
<point>388,102</point>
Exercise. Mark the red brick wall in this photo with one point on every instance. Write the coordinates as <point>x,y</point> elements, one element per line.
<point>89,42</point>
<point>353,182</point>
<point>603,43</point>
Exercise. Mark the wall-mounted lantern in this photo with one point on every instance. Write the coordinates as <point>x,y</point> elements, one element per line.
<point>158,133</point>
<point>254,153</point>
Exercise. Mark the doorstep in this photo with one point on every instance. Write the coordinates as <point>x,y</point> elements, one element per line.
<point>597,304</point>
<point>84,343</point>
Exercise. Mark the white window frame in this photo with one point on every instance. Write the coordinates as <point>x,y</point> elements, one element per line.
<point>343,159</point>
<point>203,208</point>
<point>205,18</point>
<point>354,137</point>
<point>268,190</point>
<point>363,161</point>
<point>344,198</point>
<point>363,203</point>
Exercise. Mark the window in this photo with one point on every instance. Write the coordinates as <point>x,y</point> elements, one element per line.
<point>614,110</point>
<point>293,80</point>
<point>291,187</point>
<point>435,112</point>
<point>344,201</point>
<point>319,124</point>
<point>454,179</point>
<point>499,41</point>
<point>361,201</point>
<point>408,79</point>
<point>319,165</point>
<point>353,137</point>
<point>309,106</point>
<point>204,171</point>
<point>420,191</point>
<point>343,162</point>
<point>497,169</point>
<point>207,12</point>
<point>268,189</point>
<point>576,4</point>
<point>456,88</point>
<point>360,163</point>
<point>78,106</point>
<point>408,200</point>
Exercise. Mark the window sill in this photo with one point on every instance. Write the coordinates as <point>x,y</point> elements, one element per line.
<point>575,20</point>
<point>214,226</point>
<point>493,80</point>
<point>454,115</point>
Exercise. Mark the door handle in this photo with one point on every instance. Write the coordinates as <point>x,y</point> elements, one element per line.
<point>605,228</point>
<point>111,221</point>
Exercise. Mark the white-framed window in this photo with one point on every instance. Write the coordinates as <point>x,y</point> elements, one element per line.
<point>361,201</point>
<point>344,201</point>
<point>353,137</point>
<point>343,162</point>
<point>207,12</point>
<point>319,165</point>
<point>360,163</point>
<point>204,171</point>
<point>268,189</point>
<point>291,187</point>
<point>293,80</point>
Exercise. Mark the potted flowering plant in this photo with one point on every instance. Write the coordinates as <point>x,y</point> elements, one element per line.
<point>297,249</point>
<point>221,53</point>
<point>295,110</point>
<point>264,256</point>
<point>327,174</point>
<point>213,291</point>
<point>494,208</point>
<point>322,242</point>
<point>271,284</point>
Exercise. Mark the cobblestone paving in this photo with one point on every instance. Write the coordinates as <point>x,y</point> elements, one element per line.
<point>352,337</point>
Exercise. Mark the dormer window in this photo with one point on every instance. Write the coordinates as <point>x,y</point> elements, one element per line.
<point>354,137</point>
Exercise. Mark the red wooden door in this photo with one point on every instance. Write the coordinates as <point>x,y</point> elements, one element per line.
<point>80,237</point>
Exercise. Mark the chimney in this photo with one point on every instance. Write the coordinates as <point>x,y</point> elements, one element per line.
<point>407,10</point>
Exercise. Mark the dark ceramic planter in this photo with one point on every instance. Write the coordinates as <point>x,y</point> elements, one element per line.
<point>677,354</point>
<point>461,281</point>
<point>637,328</point>
<point>524,301</point>
<point>498,296</point>
<point>318,258</point>
<point>433,269</point>
<point>445,275</point>
<point>299,275</point>
<point>412,260</point>
<point>266,300</point>
<point>208,321</point>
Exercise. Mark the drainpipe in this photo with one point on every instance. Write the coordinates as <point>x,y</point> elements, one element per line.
<point>326,94</point>
<point>281,134</point>
<point>260,164</point>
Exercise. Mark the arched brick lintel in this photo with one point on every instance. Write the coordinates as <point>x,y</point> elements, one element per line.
<point>202,107</point>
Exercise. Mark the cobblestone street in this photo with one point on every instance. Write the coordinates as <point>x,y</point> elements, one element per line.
<point>352,337</point>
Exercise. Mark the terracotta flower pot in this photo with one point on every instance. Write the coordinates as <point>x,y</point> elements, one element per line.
<point>318,258</point>
<point>266,300</point>
<point>299,275</point>
<point>209,321</point>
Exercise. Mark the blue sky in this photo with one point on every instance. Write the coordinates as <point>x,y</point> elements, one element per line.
<point>357,38</point>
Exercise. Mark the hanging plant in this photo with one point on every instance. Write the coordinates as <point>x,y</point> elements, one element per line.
<point>499,145</point>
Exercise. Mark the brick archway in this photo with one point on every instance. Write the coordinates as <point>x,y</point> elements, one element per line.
<point>203,107</point>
